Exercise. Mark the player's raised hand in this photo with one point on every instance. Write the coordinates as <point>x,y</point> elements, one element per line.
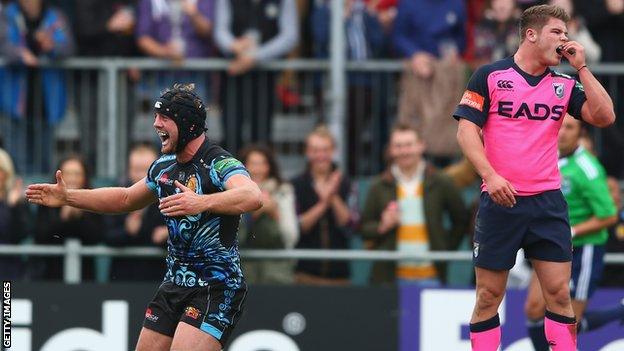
<point>501,191</point>
<point>574,53</point>
<point>51,195</point>
<point>184,203</point>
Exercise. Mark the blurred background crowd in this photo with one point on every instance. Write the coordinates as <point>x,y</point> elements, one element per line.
<point>357,186</point>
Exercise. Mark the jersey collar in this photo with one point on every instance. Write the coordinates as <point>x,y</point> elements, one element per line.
<point>531,79</point>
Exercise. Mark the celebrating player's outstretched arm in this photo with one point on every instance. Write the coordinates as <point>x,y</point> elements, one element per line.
<point>105,200</point>
<point>203,190</point>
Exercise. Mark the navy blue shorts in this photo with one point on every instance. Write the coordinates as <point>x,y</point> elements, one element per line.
<point>214,309</point>
<point>538,224</point>
<point>587,267</point>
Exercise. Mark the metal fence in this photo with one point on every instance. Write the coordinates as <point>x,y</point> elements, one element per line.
<point>109,107</point>
<point>73,251</point>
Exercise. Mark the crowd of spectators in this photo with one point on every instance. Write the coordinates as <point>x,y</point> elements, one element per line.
<point>437,39</point>
<point>412,206</point>
<point>415,204</point>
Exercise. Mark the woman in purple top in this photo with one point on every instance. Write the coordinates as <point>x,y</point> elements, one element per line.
<point>175,29</point>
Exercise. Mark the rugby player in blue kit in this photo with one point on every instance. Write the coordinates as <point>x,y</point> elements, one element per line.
<point>202,191</point>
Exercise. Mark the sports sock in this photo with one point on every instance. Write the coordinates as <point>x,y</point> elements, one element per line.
<point>486,335</point>
<point>560,332</point>
<point>536,332</point>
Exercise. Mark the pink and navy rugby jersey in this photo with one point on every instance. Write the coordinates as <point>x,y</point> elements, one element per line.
<point>520,116</point>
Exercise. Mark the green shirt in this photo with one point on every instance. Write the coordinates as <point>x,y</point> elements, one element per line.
<point>584,185</point>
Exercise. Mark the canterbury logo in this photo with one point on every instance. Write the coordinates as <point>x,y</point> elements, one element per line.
<point>504,84</point>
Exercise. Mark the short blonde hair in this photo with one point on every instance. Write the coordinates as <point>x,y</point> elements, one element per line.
<point>536,17</point>
<point>323,132</point>
<point>6,166</point>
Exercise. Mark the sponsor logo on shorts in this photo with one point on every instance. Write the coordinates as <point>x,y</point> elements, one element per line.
<point>150,316</point>
<point>192,312</point>
<point>475,249</point>
<point>472,99</point>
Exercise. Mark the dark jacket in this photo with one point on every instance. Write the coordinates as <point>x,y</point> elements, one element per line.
<point>326,233</point>
<point>440,196</point>
<point>14,227</point>
<point>52,230</point>
<point>130,268</point>
<point>93,39</point>
<point>426,25</point>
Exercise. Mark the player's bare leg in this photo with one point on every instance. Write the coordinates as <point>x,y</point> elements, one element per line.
<point>535,304</point>
<point>559,321</point>
<point>485,324</point>
<point>150,340</point>
<point>554,278</point>
<point>189,338</point>
<point>490,292</point>
<point>534,310</point>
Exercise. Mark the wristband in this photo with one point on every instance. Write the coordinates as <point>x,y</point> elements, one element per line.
<point>583,66</point>
<point>572,232</point>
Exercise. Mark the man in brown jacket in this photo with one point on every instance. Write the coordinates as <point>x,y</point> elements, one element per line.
<point>405,211</point>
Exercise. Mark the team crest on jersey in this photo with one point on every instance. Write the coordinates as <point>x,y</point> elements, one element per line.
<point>559,89</point>
<point>192,183</point>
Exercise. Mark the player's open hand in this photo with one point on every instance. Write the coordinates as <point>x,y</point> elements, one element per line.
<point>184,203</point>
<point>51,195</point>
<point>501,191</point>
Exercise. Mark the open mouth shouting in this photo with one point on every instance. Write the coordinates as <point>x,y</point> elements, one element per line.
<point>164,137</point>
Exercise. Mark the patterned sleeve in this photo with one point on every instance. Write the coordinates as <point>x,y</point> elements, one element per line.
<point>223,167</point>
<point>150,180</point>
<point>475,103</point>
<point>577,100</point>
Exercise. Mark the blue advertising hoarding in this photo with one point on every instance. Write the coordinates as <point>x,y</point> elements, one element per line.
<point>438,319</point>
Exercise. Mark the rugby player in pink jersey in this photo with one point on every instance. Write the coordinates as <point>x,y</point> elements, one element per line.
<point>509,118</point>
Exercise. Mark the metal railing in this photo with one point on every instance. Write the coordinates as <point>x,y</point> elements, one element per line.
<point>73,251</point>
<point>104,98</point>
<point>105,104</point>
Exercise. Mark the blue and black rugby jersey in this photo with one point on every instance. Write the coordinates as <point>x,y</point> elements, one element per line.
<point>202,249</point>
